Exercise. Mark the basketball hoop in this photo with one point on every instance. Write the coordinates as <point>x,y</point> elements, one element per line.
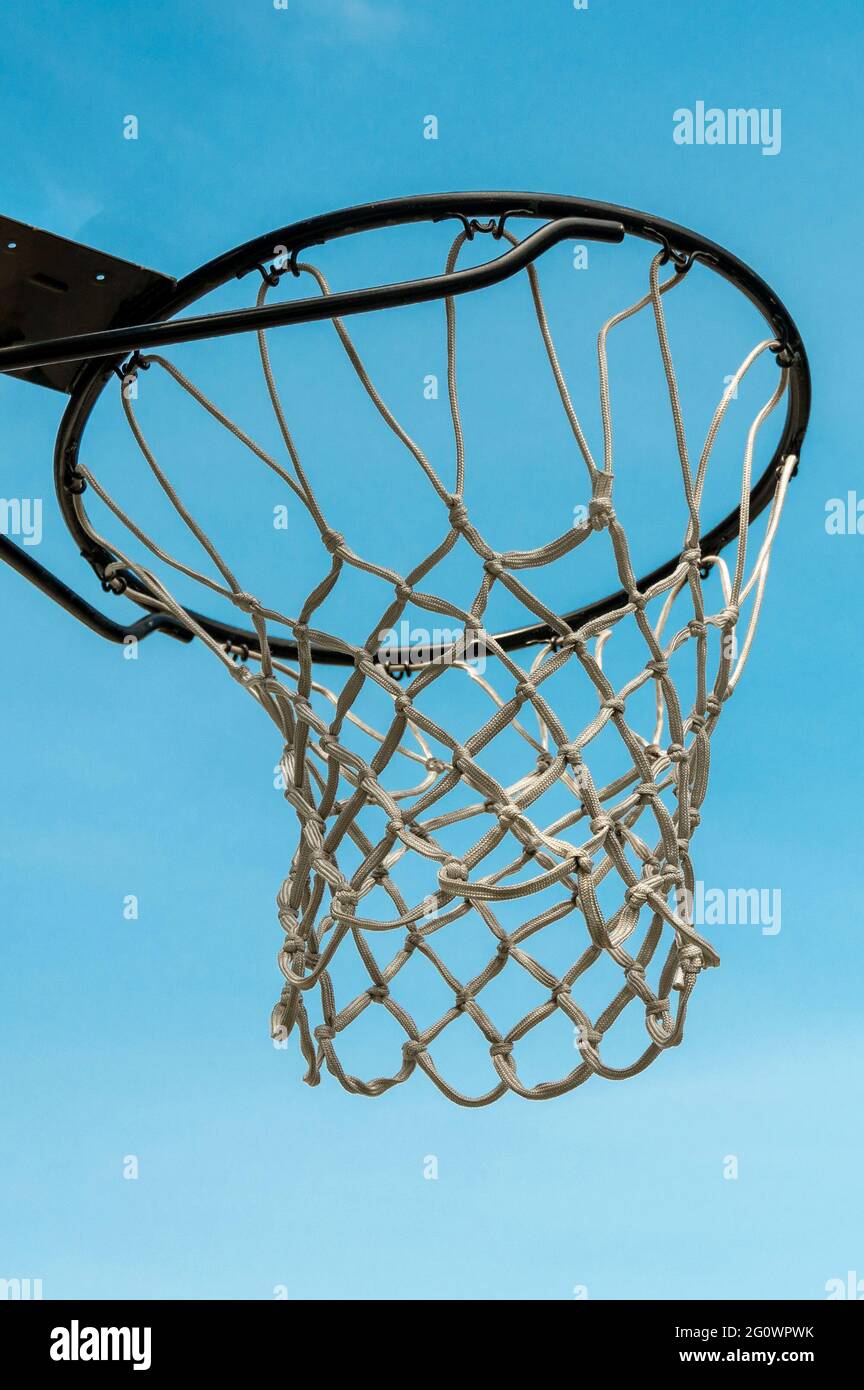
<point>385,808</point>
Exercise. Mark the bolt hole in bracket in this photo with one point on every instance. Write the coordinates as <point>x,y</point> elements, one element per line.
<point>71,316</point>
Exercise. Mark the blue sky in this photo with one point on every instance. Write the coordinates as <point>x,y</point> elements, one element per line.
<point>153,778</point>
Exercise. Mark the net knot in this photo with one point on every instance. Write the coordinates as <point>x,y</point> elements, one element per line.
<point>590,1036</point>
<point>637,893</point>
<point>691,556</point>
<point>378,992</point>
<point>344,900</point>
<point>571,753</point>
<point>676,753</point>
<point>544,760</point>
<point>333,541</point>
<point>600,512</point>
<point>560,991</point>
<point>507,813</point>
<point>503,948</point>
<point>658,668</point>
<point>404,590</point>
<point>728,616</point>
<point>452,869</point>
<point>601,824</point>
<point>462,1001</point>
<point>690,960</point>
<point>402,704</point>
<point>324,1033</point>
<point>639,601</point>
<point>396,823</point>
<point>713,705</point>
<point>646,790</point>
<point>458,513</point>
<point>614,704</point>
<point>301,631</point>
<point>501,1049</point>
<point>412,1049</point>
<point>494,567</point>
<point>293,943</point>
<point>697,723</point>
<point>525,690</point>
<point>247,603</point>
<point>413,939</point>
<point>696,629</point>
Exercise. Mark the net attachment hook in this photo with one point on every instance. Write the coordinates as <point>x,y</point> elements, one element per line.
<point>682,260</point>
<point>285,263</point>
<point>494,226</point>
<point>785,354</point>
<point>131,367</point>
<point>112,579</point>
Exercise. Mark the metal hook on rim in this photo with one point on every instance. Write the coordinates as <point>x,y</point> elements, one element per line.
<point>493,227</point>
<point>113,580</point>
<point>785,355</point>
<point>469,225</point>
<point>132,366</point>
<point>682,260</point>
<point>272,274</point>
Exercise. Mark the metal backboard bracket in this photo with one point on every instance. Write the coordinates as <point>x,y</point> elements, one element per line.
<point>51,287</point>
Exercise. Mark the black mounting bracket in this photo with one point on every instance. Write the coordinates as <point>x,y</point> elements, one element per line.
<point>51,287</point>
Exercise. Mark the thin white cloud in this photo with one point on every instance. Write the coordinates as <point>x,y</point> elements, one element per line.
<point>363,19</point>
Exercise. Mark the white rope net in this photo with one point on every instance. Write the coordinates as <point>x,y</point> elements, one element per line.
<point>379,809</point>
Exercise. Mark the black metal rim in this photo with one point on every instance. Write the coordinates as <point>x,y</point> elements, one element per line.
<point>681,245</point>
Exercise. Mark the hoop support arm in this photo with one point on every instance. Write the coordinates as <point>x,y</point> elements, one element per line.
<point>114,342</point>
<point>54,588</point>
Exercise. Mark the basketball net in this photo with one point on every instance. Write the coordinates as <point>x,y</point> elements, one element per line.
<point>635,831</point>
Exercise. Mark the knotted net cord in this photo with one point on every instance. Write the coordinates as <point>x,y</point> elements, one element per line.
<point>330,785</point>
